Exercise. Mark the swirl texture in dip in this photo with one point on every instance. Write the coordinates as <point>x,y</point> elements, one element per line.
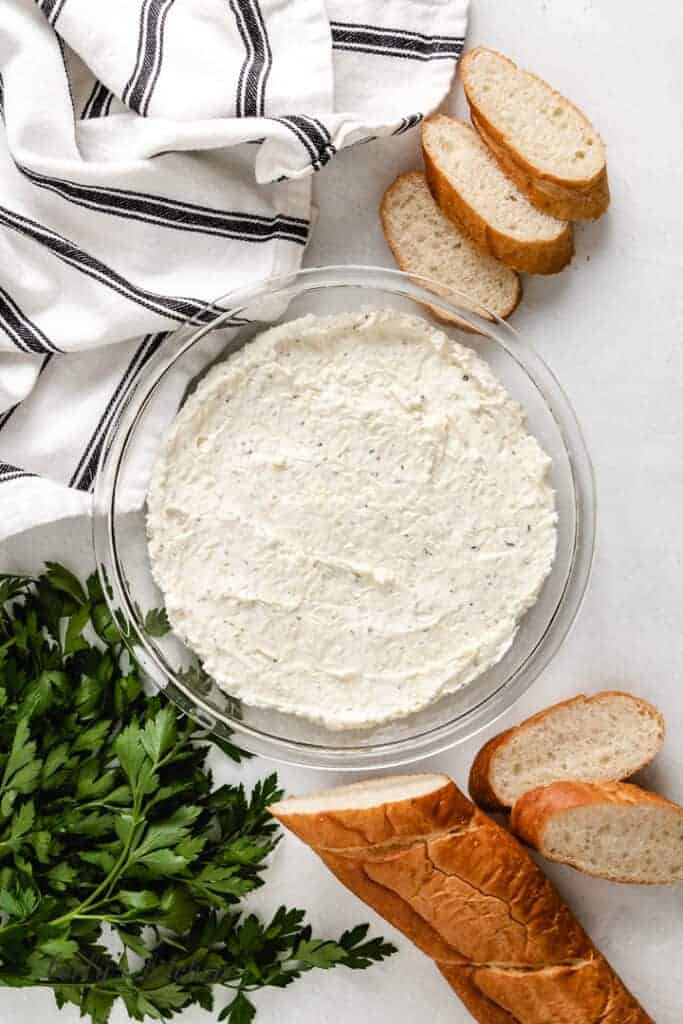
<point>349,518</point>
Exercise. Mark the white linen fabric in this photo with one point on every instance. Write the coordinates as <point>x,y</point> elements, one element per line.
<point>154,155</point>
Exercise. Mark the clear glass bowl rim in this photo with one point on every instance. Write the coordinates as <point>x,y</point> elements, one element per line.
<point>466,725</point>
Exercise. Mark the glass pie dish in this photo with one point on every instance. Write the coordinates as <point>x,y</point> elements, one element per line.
<point>138,429</point>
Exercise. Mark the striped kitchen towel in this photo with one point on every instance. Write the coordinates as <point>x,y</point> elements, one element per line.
<point>154,155</point>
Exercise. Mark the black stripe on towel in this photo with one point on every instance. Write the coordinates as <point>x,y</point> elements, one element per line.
<point>2,98</point>
<point>6,416</point>
<point>26,335</point>
<point>98,102</point>
<point>390,42</point>
<point>84,474</point>
<point>407,123</point>
<point>313,135</point>
<point>62,52</point>
<point>171,213</point>
<point>51,9</point>
<point>179,309</point>
<point>9,472</point>
<point>251,86</point>
<point>138,90</point>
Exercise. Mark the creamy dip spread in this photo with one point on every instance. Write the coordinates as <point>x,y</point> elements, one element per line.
<point>349,518</point>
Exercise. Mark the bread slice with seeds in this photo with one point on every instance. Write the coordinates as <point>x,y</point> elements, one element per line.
<point>604,738</point>
<point>425,242</point>
<point>541,140</point>
<point>612,830</point>
<point>472,190</point>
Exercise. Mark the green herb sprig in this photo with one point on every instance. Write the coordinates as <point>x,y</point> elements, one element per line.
<point>121,867</point>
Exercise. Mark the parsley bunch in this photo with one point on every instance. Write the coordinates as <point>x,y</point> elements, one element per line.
<point>121,867</point>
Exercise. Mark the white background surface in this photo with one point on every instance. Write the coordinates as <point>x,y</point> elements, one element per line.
<point>610,327</point>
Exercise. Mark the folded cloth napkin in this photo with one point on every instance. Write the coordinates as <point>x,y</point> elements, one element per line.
<point>154,155</point>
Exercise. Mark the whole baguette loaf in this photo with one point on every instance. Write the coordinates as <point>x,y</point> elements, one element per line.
<point>612,830</point>
<point>603,738</point>
<point>423,856</point>
<point>542,141</point>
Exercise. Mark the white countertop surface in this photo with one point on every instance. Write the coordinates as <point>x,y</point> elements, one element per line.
<point>611,327</point>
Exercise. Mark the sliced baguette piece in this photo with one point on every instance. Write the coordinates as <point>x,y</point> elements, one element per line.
<point>603,738</point>
<point>613,830</point>
<point>553,199</point>
<point>472,190</point>
<point>542,141</point>
<point>425,242</point>
<point>468,894</point>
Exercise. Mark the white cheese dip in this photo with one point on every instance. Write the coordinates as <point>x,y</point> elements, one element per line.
<point>349,518</point>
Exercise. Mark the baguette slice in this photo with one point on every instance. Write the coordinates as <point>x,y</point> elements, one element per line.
<point>424,241</point>
<point>471,189</point>
<point>603,738</point>
<point>541,140</point>
<point>553,199</point>
<point>464,891</point>
<point>612,830</point>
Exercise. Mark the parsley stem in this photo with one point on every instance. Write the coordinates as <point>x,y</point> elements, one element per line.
<point>114,874</point>
<point>122,862</point>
